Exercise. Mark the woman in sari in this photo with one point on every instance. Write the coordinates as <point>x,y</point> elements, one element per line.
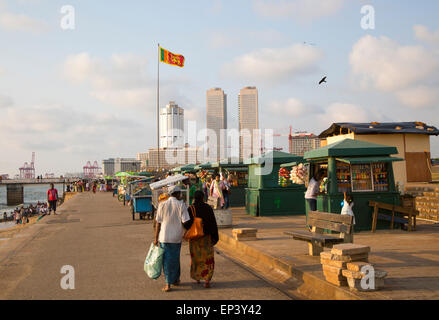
<point>201,250</point>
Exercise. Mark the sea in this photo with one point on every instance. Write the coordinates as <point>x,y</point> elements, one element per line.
<point>32,194</point>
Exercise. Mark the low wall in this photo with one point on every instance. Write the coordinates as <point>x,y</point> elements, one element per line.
<point>69,195</point>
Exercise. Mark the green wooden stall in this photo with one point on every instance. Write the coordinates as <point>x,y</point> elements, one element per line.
<point>239,173</point>
<point>362,169</point>
<point>264,196</point>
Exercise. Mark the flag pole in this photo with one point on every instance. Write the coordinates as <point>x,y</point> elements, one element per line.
<point>158,109</point>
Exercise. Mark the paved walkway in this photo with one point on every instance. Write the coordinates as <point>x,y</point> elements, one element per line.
<point>410,258</point>
<point>96,235</point>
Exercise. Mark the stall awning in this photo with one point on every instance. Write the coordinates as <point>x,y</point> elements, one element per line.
<point>369,160</point>
<point>237,169</point>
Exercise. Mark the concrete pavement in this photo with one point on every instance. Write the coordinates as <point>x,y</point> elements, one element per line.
<point>410,258</point>
<point>95,235</point>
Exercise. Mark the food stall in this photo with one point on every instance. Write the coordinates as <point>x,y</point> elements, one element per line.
<point>363,170</point>
<point>204,171</point>
<point>264,195</point>
<point>238,174</point>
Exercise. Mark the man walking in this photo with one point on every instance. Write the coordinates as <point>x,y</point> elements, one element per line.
<point>171,215</point>
<point>52,198</point>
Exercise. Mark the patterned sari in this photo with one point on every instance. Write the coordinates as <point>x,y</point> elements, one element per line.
<point>202,257</point>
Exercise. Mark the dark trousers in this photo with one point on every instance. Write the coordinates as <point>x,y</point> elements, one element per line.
<point>312,204</point>
<point>226,199</point>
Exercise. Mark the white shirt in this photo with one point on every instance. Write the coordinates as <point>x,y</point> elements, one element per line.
<point>313,189</point>
<point>347,209</point>
<point>171,214</point>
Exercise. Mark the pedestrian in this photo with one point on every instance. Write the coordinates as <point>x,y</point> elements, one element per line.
<point>206,188</point>
<point>17,216</point>
<point>114,189</point>
<point>94,187</point>
<point>348,205</point>
<point>216,191</point>
<point>52,198</point>
<point>192,190</point>
<point>201,249</point>
<point>225,187</point>
<point>5,217</point>
<point>313,190</point>
<point>171,215</point>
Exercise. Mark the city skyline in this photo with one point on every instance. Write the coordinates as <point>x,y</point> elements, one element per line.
<point>75,95</point>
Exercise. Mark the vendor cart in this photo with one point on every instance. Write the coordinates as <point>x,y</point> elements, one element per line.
<point>142,204</point>
<point>160,187</point>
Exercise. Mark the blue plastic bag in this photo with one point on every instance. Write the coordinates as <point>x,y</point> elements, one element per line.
<point>154,262</point>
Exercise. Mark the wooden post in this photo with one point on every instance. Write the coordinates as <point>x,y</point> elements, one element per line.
<point>393,218</point>
<point>314,250</point>
<point>375,218</point>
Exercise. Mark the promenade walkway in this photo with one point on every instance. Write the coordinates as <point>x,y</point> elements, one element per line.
<point>95,234</point>
<point>410,258</point>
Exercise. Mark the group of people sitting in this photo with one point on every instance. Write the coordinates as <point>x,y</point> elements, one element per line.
<point>22,215</point>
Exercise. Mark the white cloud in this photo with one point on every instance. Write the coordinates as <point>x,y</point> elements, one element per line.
<point>408,72</point>
<point>5,101</point>
<point>418,97</point>
<point>20,22</point>
<point>62,128</point>
<point>343,112</point>
<point>120,81</point>
<point>302,10</point>
<point>387,66</point>
<point>424,34</point>
<point>292,107</point>
<point>274,65</point>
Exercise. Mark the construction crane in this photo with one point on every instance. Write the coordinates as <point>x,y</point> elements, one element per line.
<point>27,171</point>
<point>290,140</point>
<point>91,171</point>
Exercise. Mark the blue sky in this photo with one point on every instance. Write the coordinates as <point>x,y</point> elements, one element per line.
<point>88,94</point>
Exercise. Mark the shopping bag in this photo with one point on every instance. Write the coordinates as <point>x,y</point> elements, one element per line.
<point>196,230</point>
<point>154,262</point>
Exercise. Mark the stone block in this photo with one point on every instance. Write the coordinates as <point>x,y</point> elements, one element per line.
<point>349,258</point>
<point>331,269</point>
<point>357,266</point>
<point>346,249</point>
<point>333,263</point>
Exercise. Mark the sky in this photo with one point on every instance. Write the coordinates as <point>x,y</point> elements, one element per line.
<point>89,93</point>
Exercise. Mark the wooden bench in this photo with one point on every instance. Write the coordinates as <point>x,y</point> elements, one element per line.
<point>321,221</point>
<point>410,213</point>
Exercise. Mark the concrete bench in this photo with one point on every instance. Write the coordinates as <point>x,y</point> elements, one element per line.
<point>321,221</point>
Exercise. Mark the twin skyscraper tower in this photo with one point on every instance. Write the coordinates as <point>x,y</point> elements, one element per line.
<point>248,117</point>
<point>221,141</point>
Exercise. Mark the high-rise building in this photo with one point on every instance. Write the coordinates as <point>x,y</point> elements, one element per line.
<point>143,157</point>
<point>174,157</point>
<point>303,142</point>
<point>216,121</point>
<point>248,121</point>
<point>171,126</point>
<point>113,166</point>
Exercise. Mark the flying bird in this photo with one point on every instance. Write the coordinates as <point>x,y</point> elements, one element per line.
<point>323,81</point>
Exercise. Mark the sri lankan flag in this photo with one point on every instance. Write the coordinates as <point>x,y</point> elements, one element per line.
<point>171,58</point>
